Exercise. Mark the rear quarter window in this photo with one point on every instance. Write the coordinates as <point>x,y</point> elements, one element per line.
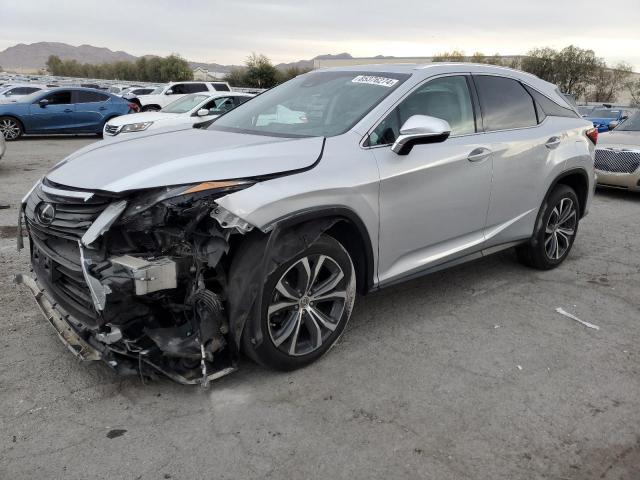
<point>505,103</point>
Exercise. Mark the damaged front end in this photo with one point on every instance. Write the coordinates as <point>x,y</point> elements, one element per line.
<point>139,281</point>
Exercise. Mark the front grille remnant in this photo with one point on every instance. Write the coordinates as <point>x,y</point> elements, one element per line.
<point>56,224</point>
<point>111,129</point>
<point>618,161</point>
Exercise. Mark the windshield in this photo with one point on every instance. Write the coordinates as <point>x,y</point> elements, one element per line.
<point>585,110</point>
<point>184,104</point>
<point>32,97</point>
<point>157,91</point>
<point>318,104</point>
<point>605,113</point>
<point>631,124</point>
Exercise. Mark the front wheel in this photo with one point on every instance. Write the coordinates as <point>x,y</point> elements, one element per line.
<point>10,128</point>
<point>556,229</point>
<point>306,304</point>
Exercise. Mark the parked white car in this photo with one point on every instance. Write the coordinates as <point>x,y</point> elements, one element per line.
<point>186,111</point>
<point>15,92</point>
<point>166,94</point>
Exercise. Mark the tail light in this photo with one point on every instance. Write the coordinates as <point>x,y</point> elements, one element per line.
<point>592,133</point>
<point>136,108</point>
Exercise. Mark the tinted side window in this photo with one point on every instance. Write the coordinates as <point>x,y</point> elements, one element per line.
<point>447,98</point>
<point>59,98</point>
<point>194,87</point>
<point>220,87</point>
<point>91,97</point>
<point>548,106</point>
<point>505,103</point>
<point>240,100</point>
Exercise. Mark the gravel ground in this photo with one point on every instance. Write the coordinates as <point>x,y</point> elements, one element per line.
<point>464,374</point>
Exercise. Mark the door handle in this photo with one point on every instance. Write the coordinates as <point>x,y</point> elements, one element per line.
<point>479,154</point>
<point>103,108</point>
<point>68,110</point>
<point>553,142</point>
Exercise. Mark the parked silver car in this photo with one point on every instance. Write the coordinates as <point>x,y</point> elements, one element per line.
<point>174,251</point>
<point>617,158</point>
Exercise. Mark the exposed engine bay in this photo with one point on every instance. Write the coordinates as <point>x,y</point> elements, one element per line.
<point>142,280</point>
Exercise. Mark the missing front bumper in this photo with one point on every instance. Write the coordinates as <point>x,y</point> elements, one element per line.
<point>76,344</point>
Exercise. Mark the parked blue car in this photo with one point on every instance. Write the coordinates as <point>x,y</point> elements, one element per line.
<point>602,117</point>
<point>61,110</point>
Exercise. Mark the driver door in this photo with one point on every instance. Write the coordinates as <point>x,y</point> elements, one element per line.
<point>433,201</point>
<point>56,116</point>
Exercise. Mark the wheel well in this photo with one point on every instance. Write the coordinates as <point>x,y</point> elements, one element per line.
<point>350,237</point>
<point>349,230</point>
<point>577,180</point>
<point>151,105</point>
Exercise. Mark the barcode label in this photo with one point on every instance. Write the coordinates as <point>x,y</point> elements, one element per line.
<point>371,80</point>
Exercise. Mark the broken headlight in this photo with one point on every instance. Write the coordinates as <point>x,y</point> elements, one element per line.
<point>183,194</point>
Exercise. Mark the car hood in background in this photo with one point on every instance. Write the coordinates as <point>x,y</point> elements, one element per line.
<point>181,157</point>
<point>141,117</point>
<point>621,138</point>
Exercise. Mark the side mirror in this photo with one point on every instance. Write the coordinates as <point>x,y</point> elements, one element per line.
<point>169,92</point>
<point>613,124</point>
<point>418,130</point>
<point>7,94</point>
<point>203,112</point>
<point>43,103</point>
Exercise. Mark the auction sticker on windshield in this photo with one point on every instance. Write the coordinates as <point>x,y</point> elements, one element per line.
<point>371,80</point>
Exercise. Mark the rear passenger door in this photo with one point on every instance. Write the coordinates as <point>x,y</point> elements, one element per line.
<point>91,109</point>
<point>523,146</point>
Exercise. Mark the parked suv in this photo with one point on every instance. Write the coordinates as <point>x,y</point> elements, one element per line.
<point>163,96</point>
<point>174,251</point>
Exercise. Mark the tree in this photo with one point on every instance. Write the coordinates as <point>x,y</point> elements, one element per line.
<point>292,72</point>
<point>634,90</point>
<point>608,82</point>
<point>236,77</point>
<point>260,72</point>
<point>573,69</point>
<point>454,56</point>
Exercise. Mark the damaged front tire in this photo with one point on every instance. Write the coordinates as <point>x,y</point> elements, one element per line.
<point>305,306</point>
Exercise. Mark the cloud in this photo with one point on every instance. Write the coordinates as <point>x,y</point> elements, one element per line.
<point>287,30</point>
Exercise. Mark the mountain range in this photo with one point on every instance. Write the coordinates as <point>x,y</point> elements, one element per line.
<point>32,57</point>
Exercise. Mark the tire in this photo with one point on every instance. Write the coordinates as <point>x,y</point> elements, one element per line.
<point>299,333</point>
<point>11,128</point>
<point>555,231</point>
<point>150,108</point>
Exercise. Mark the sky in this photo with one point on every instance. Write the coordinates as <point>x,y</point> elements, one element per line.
<point>226,32</point>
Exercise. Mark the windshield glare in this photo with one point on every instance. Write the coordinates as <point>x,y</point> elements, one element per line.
<point>631,124</point>
<point>317,104</point>
<point>605,113</point>
<point>184,104</point>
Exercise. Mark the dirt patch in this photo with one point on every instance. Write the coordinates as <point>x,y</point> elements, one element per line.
<point>9,232</point>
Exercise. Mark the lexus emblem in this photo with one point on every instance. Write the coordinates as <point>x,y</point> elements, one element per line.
<point>46,213</point>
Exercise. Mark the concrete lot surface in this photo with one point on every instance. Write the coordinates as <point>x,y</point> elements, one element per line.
<point>465,374</point>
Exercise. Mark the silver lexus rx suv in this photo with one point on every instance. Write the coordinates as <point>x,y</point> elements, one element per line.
<point>174,251</point>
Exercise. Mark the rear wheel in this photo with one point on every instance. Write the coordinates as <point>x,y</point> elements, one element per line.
<point>305,307</point>
<point>556,230</point>
<point>10,128</point>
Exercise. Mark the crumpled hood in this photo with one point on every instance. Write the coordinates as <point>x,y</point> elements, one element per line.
<point>620,139</point>
<point>161,158</point>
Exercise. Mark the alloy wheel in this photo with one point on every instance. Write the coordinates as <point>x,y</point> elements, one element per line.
<point>560,229</point>
<point>307,304</point>
<point>9,128</point>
